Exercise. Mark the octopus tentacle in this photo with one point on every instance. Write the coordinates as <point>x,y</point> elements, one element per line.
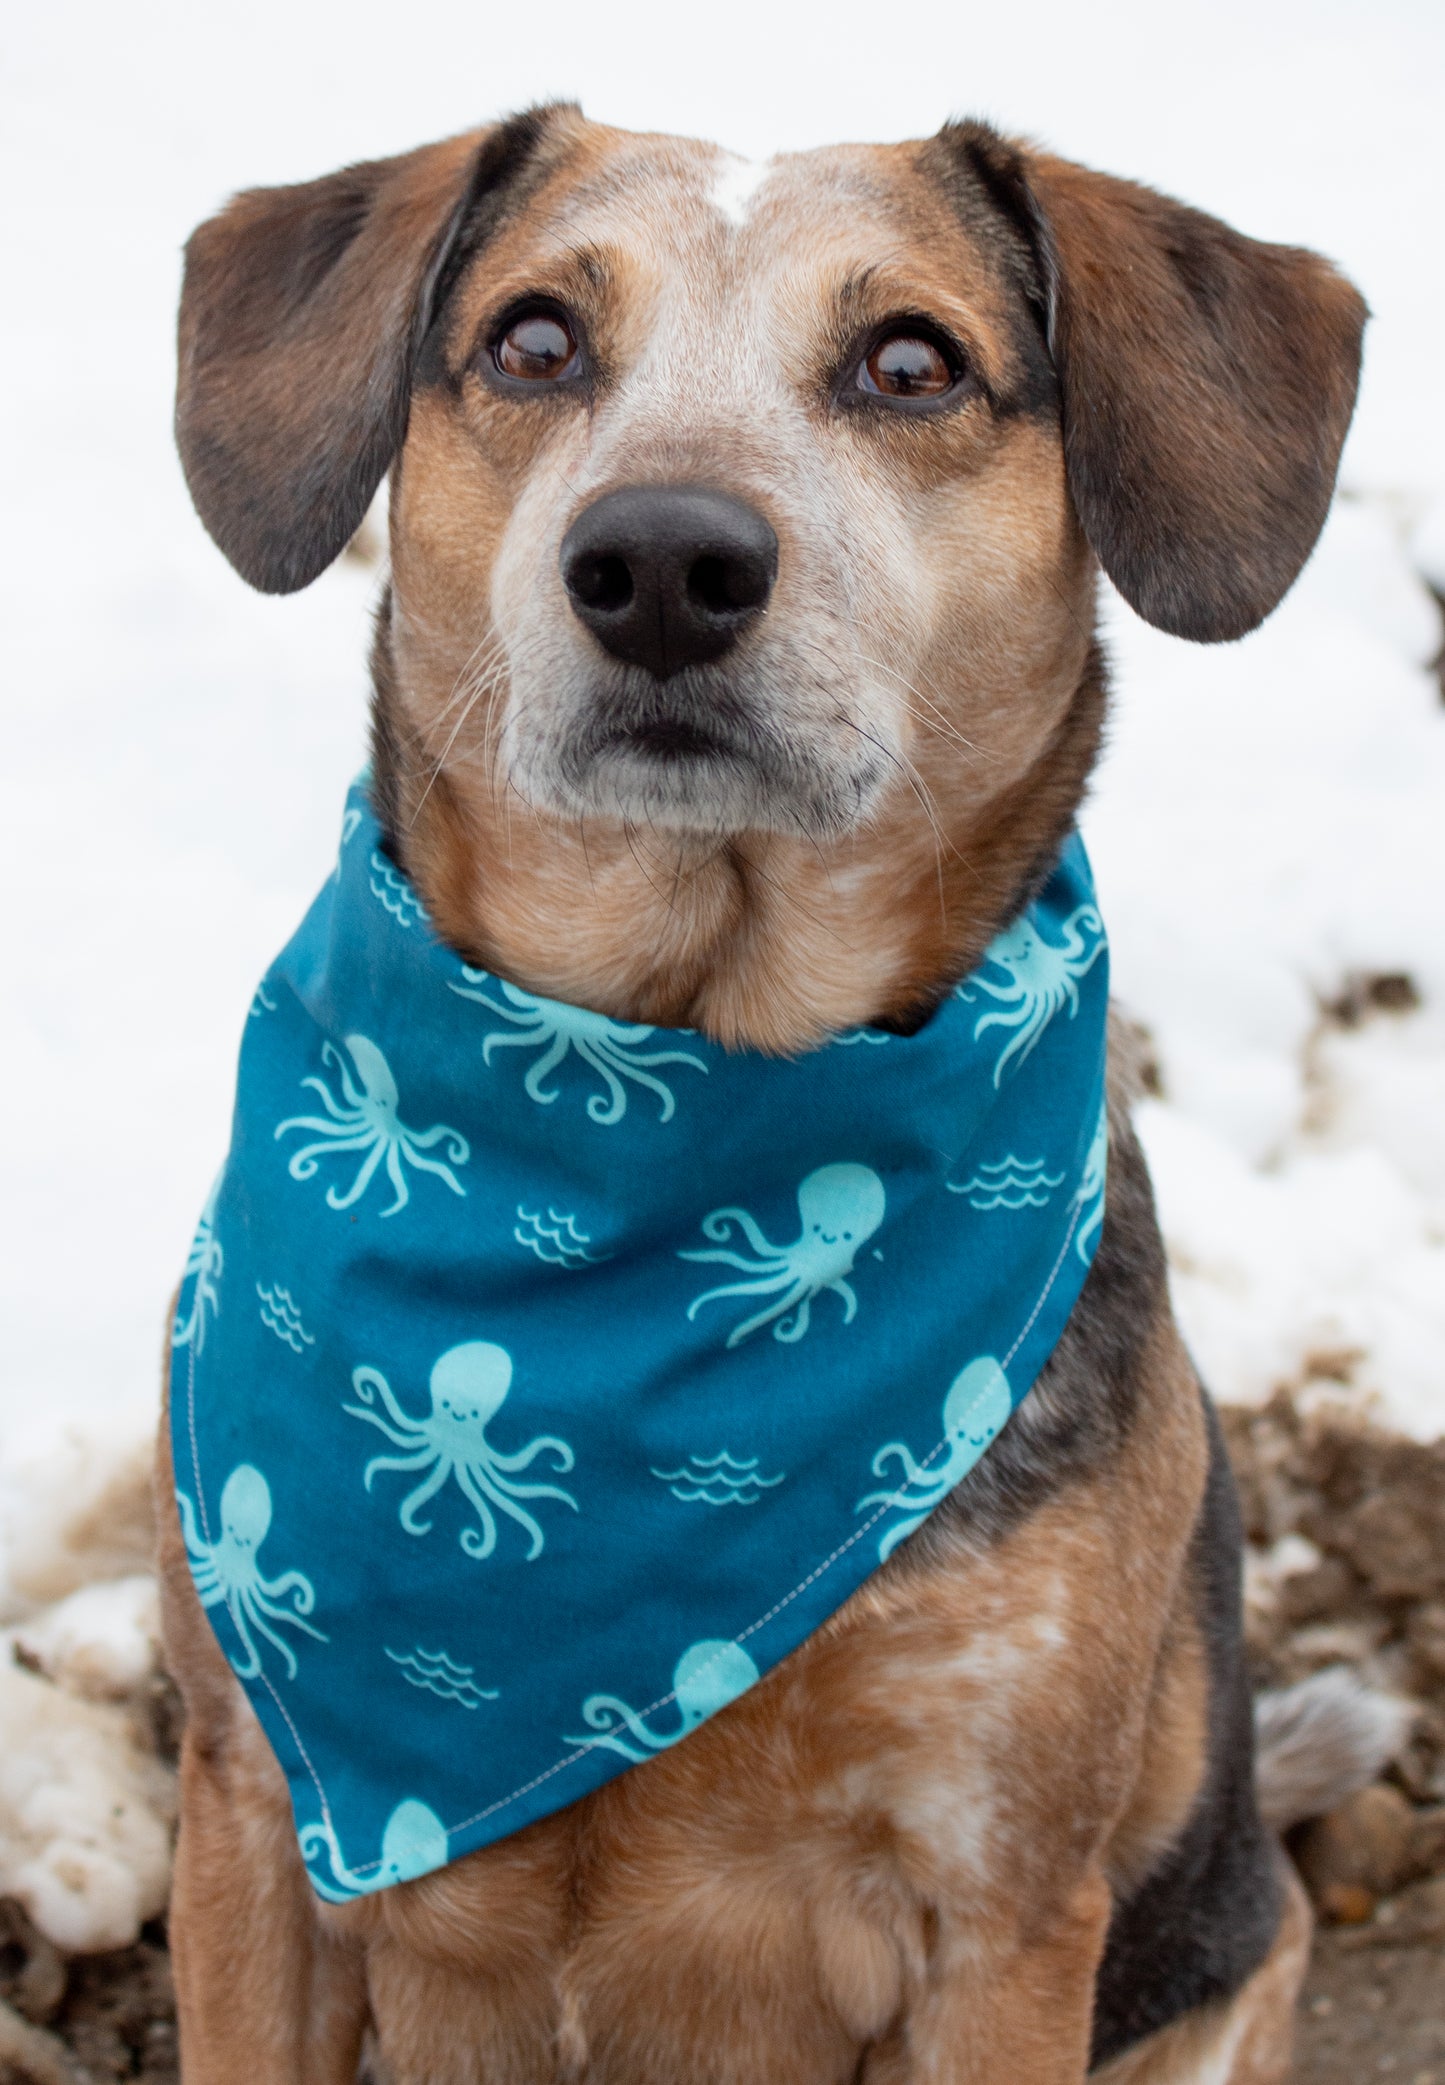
<point>363,1178</point>
<point>842,1288</point>
<point>722,1257</point>
<point>258,1623</point>
<point>418,1461</point>
<point>396,1176</point>
<point>366,1382</point>
<point>413,1155</point>
<point>607,1715</point>
<point>923,1488</point>
<point>1086,916</point>
<point>262,1606</point>
<point>525,1457</point>
<point>427,1489</point>
<point>529,1040</point>
<point>328,1099</point>
<point>617,1044</point>
<point>474,1474</point>
<point>236,1608</point>
<point>799,1294</point>
<point>297,1584</point>
<point>477,1545</point>
<point>356,1096</point>
<point>765,1286</point>
<point>198,1549</point>
<point>605,1110</point>
<point>897,1534</point>
<point>303,1163</point>
<point>458,1149</point>
<point>790,1329</point>
<point>913,1472</point>
<point>344,1885</point>
<point>718,1226</point>
<point>550,1058</point>
<point>400,1440</point>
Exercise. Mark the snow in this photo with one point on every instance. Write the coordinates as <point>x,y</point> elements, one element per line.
<point>1267,828</point>
<point>85,1815</point>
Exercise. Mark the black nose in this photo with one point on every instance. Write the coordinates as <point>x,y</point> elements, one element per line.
<point>668,576</point>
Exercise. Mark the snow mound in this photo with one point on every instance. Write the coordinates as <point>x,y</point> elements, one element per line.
<point>1267,834</point>
<point>85,1815</point>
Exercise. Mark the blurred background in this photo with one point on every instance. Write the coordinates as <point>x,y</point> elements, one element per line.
<point>1268,831</point>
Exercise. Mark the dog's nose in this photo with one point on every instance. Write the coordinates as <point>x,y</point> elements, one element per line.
<point>668,576</point>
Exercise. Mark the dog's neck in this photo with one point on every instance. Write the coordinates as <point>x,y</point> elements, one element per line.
<point>756,939</point>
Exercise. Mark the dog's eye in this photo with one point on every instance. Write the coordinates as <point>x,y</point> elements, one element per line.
<point>537,347</point>
<point>906,365</point>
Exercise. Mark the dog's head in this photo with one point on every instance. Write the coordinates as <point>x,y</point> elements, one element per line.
<point>738,660</point>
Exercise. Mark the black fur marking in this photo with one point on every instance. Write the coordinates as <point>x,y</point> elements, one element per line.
<point>1207,1917</point>
<point>507,169</point>
<point>990,197</point>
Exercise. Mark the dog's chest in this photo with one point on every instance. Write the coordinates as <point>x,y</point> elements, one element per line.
<point>810,1838</point>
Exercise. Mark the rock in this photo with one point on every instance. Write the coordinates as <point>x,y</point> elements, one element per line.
<point>1414,1918</point>
<point>1346,1904</point>
<point>1366,1845</point>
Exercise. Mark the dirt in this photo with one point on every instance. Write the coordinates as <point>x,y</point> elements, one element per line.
<point>1346,1530</point>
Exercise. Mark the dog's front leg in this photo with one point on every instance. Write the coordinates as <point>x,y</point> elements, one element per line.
<point>266,1993</point>
<point>1004,2006</point>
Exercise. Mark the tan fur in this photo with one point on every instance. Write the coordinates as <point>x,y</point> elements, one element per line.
<point>894,1860</point>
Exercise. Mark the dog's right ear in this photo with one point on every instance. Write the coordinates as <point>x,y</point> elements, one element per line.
<point>302,313</point>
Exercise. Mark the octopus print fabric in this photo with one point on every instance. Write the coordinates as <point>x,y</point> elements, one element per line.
<point>540,1380</point>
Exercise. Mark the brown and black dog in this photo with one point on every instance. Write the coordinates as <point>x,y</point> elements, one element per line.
<point>997,1821</point>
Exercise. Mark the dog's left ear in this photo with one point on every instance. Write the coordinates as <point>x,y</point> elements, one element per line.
<point>1207,381</point>
<point>303,311</point>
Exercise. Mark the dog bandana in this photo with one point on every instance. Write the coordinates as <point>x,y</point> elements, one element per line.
<point>540,1380</point>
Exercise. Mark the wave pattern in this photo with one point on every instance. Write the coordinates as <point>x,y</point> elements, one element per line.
<point>281,1316</point>
<point>1010,1183</point>
<point>441,1675</point>
<point>554,1238</point>
<point>394,892</point>
<point>718,1480</point>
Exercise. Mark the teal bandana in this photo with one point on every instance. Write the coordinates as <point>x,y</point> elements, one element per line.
<point>540,1380</point>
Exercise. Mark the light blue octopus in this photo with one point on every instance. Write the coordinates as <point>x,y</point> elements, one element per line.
<point>469,1385</point>
<point>228,1572</point>
<point>709,1675</point>
<point>1089,1194</point>
<point>205,1264</point>
<point>611,1048</point>
<point>975,1411</point>
<point>1040,976</point>
<point>365,1119</point>
<point>839,1209</point>
<point>413,1843</point>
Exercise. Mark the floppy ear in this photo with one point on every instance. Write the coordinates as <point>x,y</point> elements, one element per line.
<point>302,313</point>
<point>1207,381</point>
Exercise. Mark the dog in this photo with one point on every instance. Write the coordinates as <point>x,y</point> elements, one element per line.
<point>737,671</point>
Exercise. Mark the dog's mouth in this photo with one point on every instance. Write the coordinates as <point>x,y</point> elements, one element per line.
<point>696,753</point>
<point>669,739</point>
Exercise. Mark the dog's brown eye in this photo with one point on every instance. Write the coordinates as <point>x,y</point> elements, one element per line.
<point>539,347</point>
<point>905,365</point>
